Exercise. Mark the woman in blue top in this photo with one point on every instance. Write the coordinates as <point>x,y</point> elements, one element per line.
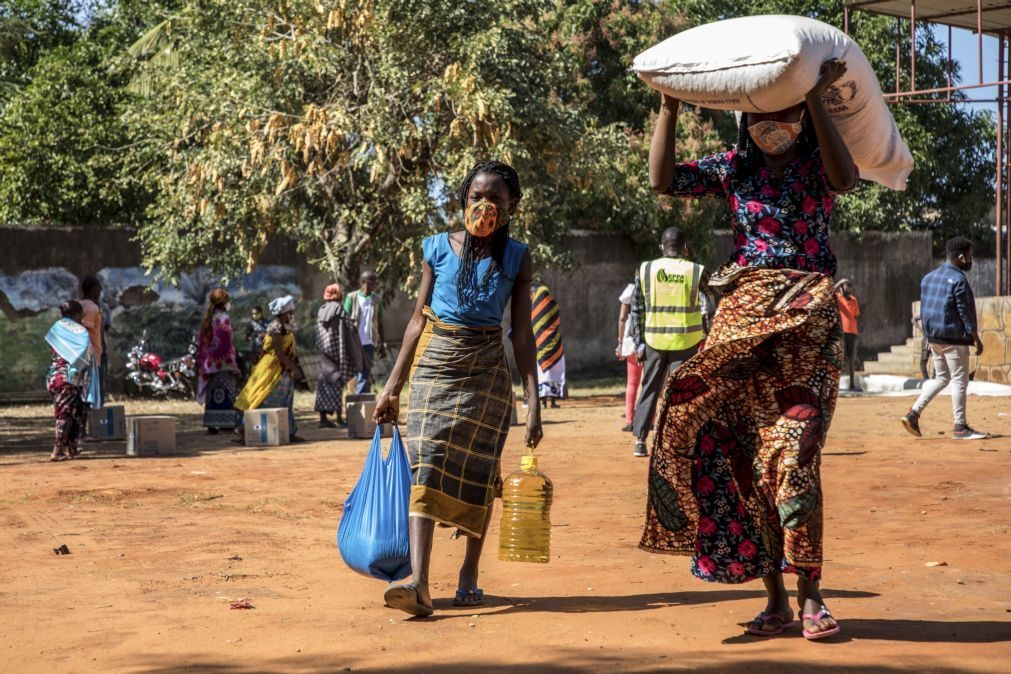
<point>461,388</point>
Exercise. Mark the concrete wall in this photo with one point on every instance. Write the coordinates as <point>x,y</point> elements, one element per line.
<point>982,276</point>
<point>885,268</point>
<point>587,299</point>
<point>39,269</point>
<point>994,316</point>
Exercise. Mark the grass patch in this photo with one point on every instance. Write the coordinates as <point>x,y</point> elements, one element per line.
<point>191,500</point>
<point>597,386</point>
<point>587,387</point>
<point>269,506</point>
<point>18,500</point>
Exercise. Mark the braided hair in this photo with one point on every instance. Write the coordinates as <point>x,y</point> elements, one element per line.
<point>749,155</point>
<point>465,288</point>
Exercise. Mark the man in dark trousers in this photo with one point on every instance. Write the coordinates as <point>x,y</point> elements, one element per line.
<point>948,317</point>
<point>849,316</point>
<point>667,323</point>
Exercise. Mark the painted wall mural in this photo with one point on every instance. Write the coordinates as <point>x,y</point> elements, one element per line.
<point>169,314</point>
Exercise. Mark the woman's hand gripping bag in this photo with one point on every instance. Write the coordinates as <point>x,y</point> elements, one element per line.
<point>769,62</point>
<point>373,536</point>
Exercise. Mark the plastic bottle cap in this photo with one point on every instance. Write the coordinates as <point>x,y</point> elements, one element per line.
<point>528,462</point>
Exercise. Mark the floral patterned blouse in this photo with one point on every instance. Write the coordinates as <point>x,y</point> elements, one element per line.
<point>778,223</point>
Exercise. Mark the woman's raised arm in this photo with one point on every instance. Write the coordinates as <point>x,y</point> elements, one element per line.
<point>839,166</point>
<point>661,149</point>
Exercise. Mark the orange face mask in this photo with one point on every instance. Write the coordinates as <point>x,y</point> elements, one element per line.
<point>773,137</point>
<point>481,219</point>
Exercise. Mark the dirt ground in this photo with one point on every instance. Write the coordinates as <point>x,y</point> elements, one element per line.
<point>159,546</point>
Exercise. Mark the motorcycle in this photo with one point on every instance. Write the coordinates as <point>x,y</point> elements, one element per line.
<point>148,375</point>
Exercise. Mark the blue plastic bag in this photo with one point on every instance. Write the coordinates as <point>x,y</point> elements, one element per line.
<point>372,536</point>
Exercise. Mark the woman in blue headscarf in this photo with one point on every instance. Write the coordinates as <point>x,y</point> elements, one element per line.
<point>69,379</point>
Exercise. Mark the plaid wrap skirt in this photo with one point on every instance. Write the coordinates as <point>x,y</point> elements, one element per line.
<point>457,420</point>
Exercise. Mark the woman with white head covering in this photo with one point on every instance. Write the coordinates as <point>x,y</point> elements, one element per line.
<point>272,383</point>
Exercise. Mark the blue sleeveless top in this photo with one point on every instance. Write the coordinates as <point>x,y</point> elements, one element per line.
<point>486,306</point>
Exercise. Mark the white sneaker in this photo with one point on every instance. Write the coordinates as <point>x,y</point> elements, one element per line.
<point>968,433</point>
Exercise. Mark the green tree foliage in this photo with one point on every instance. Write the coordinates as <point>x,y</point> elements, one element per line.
<point>62,142</point>
<point>65,154</point>
<point>347,126</point>
<point>30,28</point>
<point>599,40</point>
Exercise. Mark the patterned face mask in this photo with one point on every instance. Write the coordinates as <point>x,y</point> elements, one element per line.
<point>481,219</point>
<point>774,137</point>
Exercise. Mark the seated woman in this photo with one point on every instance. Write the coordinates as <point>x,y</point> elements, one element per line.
<point>272,383</point>
<point>461,388</point>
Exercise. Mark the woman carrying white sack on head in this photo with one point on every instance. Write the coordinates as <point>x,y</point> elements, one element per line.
<point>734,476</point>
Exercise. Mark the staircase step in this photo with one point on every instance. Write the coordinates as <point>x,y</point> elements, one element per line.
<point>905,369</point>
<point>897,358</point>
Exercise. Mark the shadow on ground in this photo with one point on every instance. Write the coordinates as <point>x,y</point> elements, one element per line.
<point>607,604</point>
<point>29,439</point>
<point>917,631</point>
<point>564,661</point>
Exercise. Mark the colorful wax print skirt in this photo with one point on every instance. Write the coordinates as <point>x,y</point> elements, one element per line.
<point>734,477</point>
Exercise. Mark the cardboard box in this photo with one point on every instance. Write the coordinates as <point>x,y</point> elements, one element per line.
<point>107,423</point>
<point>266,427</point>
<point>151,436</point>
<point>360,424</point>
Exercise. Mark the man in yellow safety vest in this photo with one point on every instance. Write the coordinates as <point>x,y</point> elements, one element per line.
<point>667,322</point>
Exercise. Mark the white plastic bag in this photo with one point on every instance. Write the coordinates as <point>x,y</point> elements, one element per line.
<point>770,62</point>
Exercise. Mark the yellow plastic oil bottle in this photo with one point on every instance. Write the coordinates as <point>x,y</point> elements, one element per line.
<point>525,534</point>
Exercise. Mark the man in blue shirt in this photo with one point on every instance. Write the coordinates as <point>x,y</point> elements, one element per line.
<point>948,318</point>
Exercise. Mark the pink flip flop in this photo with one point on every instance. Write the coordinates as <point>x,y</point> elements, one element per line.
<point>815,618</point>
<point>766,619</point>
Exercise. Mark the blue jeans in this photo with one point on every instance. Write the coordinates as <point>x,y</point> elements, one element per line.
<point>363,382</point>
